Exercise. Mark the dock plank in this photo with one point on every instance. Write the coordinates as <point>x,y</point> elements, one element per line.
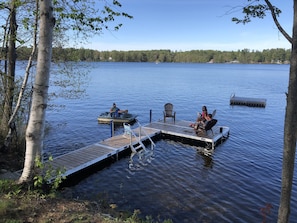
<point>81,156</point>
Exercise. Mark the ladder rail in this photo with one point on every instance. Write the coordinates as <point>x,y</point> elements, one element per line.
<point>142,130</point>
<point>128,131</point>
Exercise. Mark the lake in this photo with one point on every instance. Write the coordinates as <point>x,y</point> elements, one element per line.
<point>175,181</point>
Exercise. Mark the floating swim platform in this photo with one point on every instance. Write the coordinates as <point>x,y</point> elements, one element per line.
<point>252,102</point>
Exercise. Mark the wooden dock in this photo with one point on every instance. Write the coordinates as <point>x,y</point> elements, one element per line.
<point>81,159</point>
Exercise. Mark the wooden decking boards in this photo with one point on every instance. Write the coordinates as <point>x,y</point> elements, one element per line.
<point>78,160</point>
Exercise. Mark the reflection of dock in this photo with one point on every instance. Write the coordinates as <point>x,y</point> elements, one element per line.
<point>109,149</point>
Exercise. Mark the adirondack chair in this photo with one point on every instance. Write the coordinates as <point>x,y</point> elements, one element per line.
<point>168,111</point>
<point>210,124</point>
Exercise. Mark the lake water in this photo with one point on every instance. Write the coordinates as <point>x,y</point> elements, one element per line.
<point>174,181</point>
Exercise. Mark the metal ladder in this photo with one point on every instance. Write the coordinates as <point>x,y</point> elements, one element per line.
<point>128,132</point>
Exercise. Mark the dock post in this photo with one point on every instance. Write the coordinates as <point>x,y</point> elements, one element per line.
<point>150,115</point>
<point>111,128</point>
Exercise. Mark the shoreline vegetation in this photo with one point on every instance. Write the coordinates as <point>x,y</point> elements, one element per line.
<point>26,203</point>
<point>245,56</point>
<point>22,203</point>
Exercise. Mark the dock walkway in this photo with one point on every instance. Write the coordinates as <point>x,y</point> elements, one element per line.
<point>88,156</point>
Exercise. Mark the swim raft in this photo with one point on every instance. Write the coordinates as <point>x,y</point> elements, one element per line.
<point>252,102</point>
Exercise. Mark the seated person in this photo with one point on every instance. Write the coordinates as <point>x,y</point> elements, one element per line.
<point>203,127</point>
<point>201,124</point>
<point>115,111</point>
<point>202,117</point>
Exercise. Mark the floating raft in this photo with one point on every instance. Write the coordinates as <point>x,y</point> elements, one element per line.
<point>252,102</point>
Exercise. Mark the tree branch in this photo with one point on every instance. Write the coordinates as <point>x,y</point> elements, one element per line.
<point>280,28</point>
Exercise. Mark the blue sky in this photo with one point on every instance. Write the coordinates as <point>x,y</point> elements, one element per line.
<point>183,25</point>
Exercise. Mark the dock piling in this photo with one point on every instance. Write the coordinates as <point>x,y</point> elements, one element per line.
<point>111,128</point>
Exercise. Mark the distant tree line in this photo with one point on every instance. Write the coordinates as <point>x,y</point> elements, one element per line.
<point>194,56</point>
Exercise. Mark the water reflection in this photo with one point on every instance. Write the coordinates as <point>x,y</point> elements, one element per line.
<point>139,159</point>
<point>205,151</point>
<point>208,161</point>
<point>205,154</point>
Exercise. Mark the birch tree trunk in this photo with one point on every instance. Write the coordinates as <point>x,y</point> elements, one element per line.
<point>289,131</point>
<point>35,129</point>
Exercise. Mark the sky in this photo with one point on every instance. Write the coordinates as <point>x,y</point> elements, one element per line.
<point>184,25</point>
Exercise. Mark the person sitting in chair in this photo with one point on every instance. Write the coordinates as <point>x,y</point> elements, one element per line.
<point>203,127</point>
<point>202,122</point>
<point>202,117</point>
<point>115,111</point>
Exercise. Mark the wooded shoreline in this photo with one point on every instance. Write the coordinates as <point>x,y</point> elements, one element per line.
<point>246,56</point>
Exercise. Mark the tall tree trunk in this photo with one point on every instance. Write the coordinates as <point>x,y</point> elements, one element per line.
<point>10,77</point>
<point>35,129</point>
<point>24,84</point>
<point>290,130</point>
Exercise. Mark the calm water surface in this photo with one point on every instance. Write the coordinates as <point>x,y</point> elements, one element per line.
<point>174,181</point>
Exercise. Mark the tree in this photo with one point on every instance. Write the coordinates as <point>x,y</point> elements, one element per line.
<point>290,125</point>
<point>14,30</point>
<point>9,76</point>
<point>12,60</point>
<point>35,129</point>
